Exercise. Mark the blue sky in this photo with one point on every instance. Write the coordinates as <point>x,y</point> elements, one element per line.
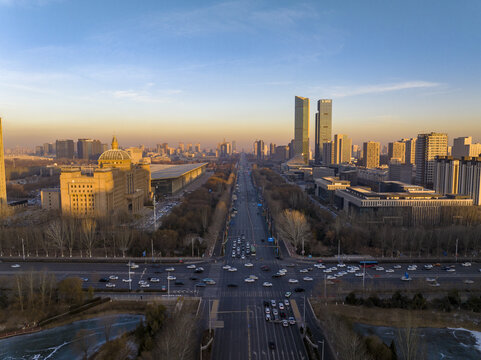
<point>155,71</point>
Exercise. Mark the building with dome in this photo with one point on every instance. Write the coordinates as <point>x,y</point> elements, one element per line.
<point>117,184</point>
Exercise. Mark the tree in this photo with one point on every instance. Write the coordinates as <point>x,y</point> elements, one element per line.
<point>88,231</point>
<point>293,227</point>
<point>55,233</point>
<point>124,241</point>
<point>70,290</point>
<point>70,231</point>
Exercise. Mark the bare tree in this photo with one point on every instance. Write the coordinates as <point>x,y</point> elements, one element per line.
<point>88,230</point>
<point>55,233</point>
<point>294,228</point>
<point>70,229</point>
<point>409,342</point>
<point>124,241</point>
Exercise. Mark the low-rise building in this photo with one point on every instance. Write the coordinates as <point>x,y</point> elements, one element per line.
<point>170,179</point>
<point>326,187</point>
<point>50,199</point>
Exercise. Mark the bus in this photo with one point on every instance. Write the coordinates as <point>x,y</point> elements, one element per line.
<point>253,250</point>
<point>368,263</point>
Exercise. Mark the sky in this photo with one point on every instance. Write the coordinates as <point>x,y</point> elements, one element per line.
<point>155,71</point>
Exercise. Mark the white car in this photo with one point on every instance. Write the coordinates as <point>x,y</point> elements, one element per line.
<point>145,285</point>
<point>281,306</point>
<point>404,278</point>
<point>333,268</point>
<point>389,270</point>
<point>171,277</point>
<point>282,270</point>
<point>379,268</point>
<point>110,285</point>
<point>253,277</point>
<point>331,277</point>
<point>293,281</point>
<point>397,266</point>
<point>113,277</point>
<point>142,282</point>
<point>430,279</point>
<point>191,266</point>
<point>249,280</point>
<point>171,269</point>
<point>127,280</point>
<point>226,267</point>
<point>243,257</point>
<point>232,269</point>
<point>327,271</point>
<point>154,280</point>
<point>307,278</point>
<point>15,266</point>
<point>467,281</point>
<point>303,270</point>
<point>248,265</point>
<point>428,266</point>
<point>267,284</point>
<point>411,268</point>
<point>359,274</point>
<point>134,266</point>
<point>466,264</point>
<point>451,270</point>
<point>341,265</point>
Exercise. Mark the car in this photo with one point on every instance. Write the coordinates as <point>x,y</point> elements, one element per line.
<point>273,303</point>
<point>232,285</point>
<point>359,274</point>
<point>307,278</point>
<point>191,266</point>
<point>292,321</point>
<point>265,268</point>
<point>243,257</point>
<point>104,279</point>
<point>199,270</point>
<point>178,283</point>
<point>170,269</point>
<point>248,264</point>
<point>331,277</point>
<point>333,268</point>
<point>411,268</point>
<point>268,317</point>
<point>15,266</point>
<point>341,265</point>
<point>286,302</point>
<point>430,279</point>
<point>303,270</point>
<point>397,266</point>
<point>254,277</point>
<point>267,284</point>
<point>134,266</point>
<point>200,285</point>
<point>144,285</point>
<point>142,282</point>
<point>281,306</point>
<point>466,264</point>
<point>171,277</point>
<point>293,281</point>
<point>267,310</point>
<point>163,288</point>
<point>84,279</point>
<point>193,278</point>
<point>379,268</point>
<point>467,281</point>
<point>275,312</point>
<point>299,289</point>
<point>451,270</point>
<point>327,271</point>
<point>110,285</point>
<point>272,345</point>
<point>428,267</point>
<point>276,275</point>
<point>404,278</point>
<point>288,294</point>
<point>226,267</point>
<point>113,277</point>
<point>291,265</point>
<point>249,280</point>
<point>210,282</point>
<point>285,323</point>
<point>389,270</point>
<point>154,280</point>
<point>127,280</point>
<point>233,255</point>
<point>232,269</point>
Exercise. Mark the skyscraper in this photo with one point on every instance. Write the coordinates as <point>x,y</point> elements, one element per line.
<point>3,181</point>
<point>410,156</point>
<point>64,149</point>
<point>463,147</point>
<point>428,146</point>
<point>342,149</point>
<point>301,128</point>
<point>371,152</point>
<point>328,153</point>
<point>323,132</point>
<point>397,151</point>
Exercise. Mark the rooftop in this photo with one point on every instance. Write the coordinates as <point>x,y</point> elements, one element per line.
<point>172,171</point>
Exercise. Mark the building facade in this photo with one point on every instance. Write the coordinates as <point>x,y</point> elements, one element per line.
<point>323,128</point>
<point>116,185</point>
<point>50,199</point>
<point>64,149</point>
<point>428,146</point>
<point>371,153</point>
<point>301,128</point>
<point>464,147</point>
<point>397,151</point>
<point>410,146</point>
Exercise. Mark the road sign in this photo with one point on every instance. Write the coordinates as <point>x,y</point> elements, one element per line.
<point>270,239</point>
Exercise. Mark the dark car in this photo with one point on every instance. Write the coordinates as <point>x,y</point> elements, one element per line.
<point>299,289</point>
<point>200,285</point>
<point>282,314</point>
<point>194,278</point>
<point>232,285</point>
<point>104,279</point>
<point>198,270</point>
<point>276,275</point>
<point>267,303</point>
<point>272,346</point>
<point>179,283</point>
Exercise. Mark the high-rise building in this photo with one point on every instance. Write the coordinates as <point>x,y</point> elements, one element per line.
<point>64,149</point>
<point>197,148</point>
<point>301,128</point>
<point>281,153</point>
<point>356,151</point>
<point>328,152</point>
<point>272,149</point>
<point>397,151</point>
<point>181,147</point>
<point>463,147</point>
<point>458,176</point>
<point>428,146</point>
<point>3,180</point>
<point>48,149</point>
<point>342,149</point>
<point>323,130</point>
<point>89,149</point>
<point>371,153</point>
<point>410,154</point>
<point>259,149</point>
<point>234,147</point>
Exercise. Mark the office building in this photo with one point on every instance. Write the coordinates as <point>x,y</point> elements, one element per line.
<point>428,146</point>
<point>64,149</point>
<point>464,147</point>
<point>371,154</point>
<point>328,152</point>
<point>323,128</point>
<point>197,148</point>
<point>281,153</point>
<point>89,149</point>
<point>454,176</point>
<point>259,149</point>
<point>342,149</point>
<point>397,151</point>
<point>410,151</point>
<point>116,185</point>
<point>3,179</point>
<point>400,172</point>
<point>301,128</point>
<point>272,149</point>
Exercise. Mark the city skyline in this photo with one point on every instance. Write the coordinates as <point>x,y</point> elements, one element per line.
<point>194,72</point>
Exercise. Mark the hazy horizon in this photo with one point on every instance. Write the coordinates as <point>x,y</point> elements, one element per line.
<point>153,73</point>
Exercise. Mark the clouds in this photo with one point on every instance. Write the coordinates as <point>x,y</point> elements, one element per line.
<point>144,96</point>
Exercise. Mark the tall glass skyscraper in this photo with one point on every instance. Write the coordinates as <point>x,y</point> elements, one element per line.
<point>301,128</point>
<point>323,127</point>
